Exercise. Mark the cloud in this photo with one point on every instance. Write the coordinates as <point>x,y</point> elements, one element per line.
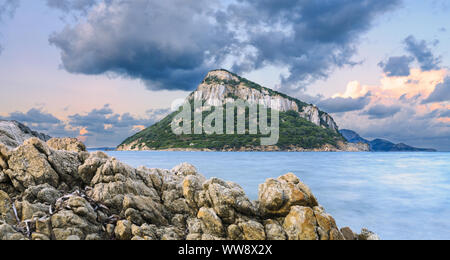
<point>33,116</point>
<point>397,66</point>
<point>99,127</point>
<point>7,9</point>
<point>382,111</point>
<point>167,44</point>
<point>445,113</point>
<point>41,121</point>
<point>415,123</point>
<point>341,105</point>
<point>102,126</point>
<point>311,38</point>
<point>172,44</point>
<point>440,94</point>
<point>422,53</point>
<point>72,5</point>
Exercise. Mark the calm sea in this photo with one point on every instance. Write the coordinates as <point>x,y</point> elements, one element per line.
<point>397,195</point>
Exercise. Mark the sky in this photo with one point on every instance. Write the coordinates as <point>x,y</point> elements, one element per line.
<point>101,70</point>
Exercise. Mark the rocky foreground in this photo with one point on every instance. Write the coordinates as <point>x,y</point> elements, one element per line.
<point>58,191</point>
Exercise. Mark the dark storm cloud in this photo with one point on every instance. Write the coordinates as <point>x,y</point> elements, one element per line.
<point>423,54</point>
<point>167,44</point>
<point>172,44</point>
<point>311,38</point>
<point>440,94</point>
<point>397,66</point>
<point>341,105</point>
<point>382,111</point>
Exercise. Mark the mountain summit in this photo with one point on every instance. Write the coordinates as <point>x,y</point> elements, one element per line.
<point>302,126</point>
<point>222,85</point>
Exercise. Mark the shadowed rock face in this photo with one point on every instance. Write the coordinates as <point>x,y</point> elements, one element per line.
<point>48,193</point>
<point>13,134</point>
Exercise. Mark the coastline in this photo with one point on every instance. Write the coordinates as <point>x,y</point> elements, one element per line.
<point>343,147</point>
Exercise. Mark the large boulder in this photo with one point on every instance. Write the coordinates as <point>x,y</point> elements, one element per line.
<point>212,223</point>
<point>367,235</point>
<point>29,166</point>
<point>227,199</point>
<point>277,196</point>
<point>67,144</point>
<point>301,224</point>
<point>252,230</point>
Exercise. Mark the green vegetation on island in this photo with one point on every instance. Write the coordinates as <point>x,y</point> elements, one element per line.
<point>294,132</point>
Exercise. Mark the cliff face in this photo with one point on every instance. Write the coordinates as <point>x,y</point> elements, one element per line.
<point>13,133</point>
<point>221,86</point>
<point>47,193</point>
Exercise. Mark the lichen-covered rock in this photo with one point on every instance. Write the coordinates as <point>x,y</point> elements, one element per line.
<point>28,210</point>
<point>367,235</point>
<point>29,166</point>
<point>5,153</point>
<point>193,190</point>
<point>39,237</point>
<point>301,224</point>
<point>327,227</point>
<point>89,168</point>
<point>212,223</point>
<point>123,230</point>
<point>144,210</point>
<point>43,193</point>
<point>277,196</point>
<point>185,169</point>
<point>7,232</point>
<point>66,224</point>
<point>114,181</point>
<point>252,230</point>
<point>67,144</point>
<point>144,232</point>
<point>66,165</point>
<point>6,209</point>
<point>348,233</point>
<point>3,177</point>
<point>274,230</point>
<point>227,199</point>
